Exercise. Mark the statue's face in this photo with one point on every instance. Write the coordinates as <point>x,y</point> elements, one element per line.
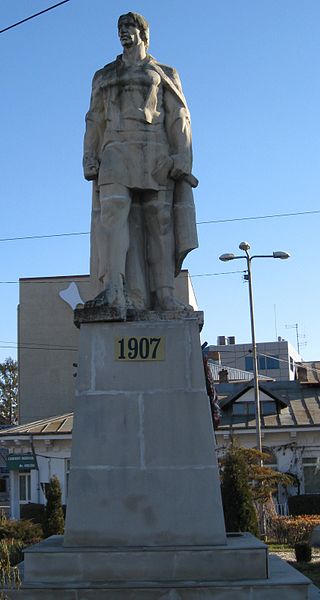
<point>129,34</point>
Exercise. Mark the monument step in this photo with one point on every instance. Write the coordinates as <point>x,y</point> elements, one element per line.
<point>243,557</point>
<point>284,582</point>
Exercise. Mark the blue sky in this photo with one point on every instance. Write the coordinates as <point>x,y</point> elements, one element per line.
<point>250,72</point>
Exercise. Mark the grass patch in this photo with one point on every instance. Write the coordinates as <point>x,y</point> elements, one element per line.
<point>280,548</point>
<point>310,570</point>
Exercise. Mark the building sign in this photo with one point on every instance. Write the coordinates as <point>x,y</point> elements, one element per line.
<point>21,462</point>
<point>139,348</point>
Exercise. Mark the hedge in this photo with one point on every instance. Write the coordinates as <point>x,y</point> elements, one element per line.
<point>291,530</point>
<point>24,531</point>
<point>305,504</point>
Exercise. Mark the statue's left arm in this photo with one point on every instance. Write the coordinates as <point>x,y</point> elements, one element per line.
<point>178,127</point>
<point>95,125</point>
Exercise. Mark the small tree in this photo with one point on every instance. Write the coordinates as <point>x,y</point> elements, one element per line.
<point>54,519</point>
<point>8,392</point>
<point>238,506</point>
<point>263,480</point>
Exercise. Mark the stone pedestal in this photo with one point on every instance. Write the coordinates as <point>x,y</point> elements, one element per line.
<point>143,466</point>
<point>144,518</point>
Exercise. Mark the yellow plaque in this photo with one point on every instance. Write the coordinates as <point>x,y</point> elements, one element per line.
<point>146,349</point>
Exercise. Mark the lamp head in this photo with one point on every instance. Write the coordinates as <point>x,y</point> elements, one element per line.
<point>280,254</point>
<point>226,257</point>
<point>244,246</point>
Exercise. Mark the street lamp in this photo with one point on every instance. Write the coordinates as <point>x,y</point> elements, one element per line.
<point>245,246</point>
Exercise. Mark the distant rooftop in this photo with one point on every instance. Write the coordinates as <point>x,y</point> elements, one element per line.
<point>61,424</point>
<point>232,373</point>
<point>300,401</point>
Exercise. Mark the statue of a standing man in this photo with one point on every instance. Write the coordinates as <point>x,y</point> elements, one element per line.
<point>137,151</point>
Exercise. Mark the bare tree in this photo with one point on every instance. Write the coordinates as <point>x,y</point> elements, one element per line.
<point>9,392</point>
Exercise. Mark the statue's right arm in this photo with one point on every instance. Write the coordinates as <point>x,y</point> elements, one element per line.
<point>95,125</point>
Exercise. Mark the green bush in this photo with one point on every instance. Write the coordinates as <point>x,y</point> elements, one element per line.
<point>33,512</point>
<point>238,506</point>
<point>15,549</point>
<point>25,531</point>
<point>303,552</point>
<point>9,574</point>
<point>54,518</point>
<point>305,504</point>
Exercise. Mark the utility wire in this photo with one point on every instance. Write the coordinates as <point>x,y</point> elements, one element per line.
<point>216,221</point>
<point>53,280</point>
<point>295,214</point>
<point>33,16</point>
<point>40,237</point>
<point>25,347</point>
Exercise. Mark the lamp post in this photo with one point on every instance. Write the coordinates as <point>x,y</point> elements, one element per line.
<point>225,258</point>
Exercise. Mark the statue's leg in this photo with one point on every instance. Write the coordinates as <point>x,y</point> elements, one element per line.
<point>137,287</point>
<point>113,241</point>
<point>160,248</point>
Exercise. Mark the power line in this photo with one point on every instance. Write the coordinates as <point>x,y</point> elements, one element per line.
<point>88,282</point>
<point>33,16</point>
<point>215,221</point>
<point>45,348</point>
<point>214,274</point>
<point>40,237</point>
<point>36,344</point>
<point>254,218</point>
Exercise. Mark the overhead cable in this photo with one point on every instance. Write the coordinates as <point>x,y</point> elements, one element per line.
<point>214,221</point>
<point>33,16</point>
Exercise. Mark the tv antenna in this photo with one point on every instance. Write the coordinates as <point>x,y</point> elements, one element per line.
<point>298,336</point>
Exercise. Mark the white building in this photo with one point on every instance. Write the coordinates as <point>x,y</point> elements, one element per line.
<point>37,451</point>
<point>290,428</point>
<point>276,360</point>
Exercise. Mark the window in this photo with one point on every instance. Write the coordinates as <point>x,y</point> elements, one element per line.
<point>24,488</point>
<point>268,408</point>
<point>249,363</point>
<point>248,409</point>
<point>271,362</point>
<point>243,409</point>
<point>265,363</point>
<point>311,475</point>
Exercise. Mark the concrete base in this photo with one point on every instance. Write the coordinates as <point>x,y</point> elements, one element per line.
<point>243,557</point>
<point>144,518</point>
<point>143,464</point>
<point>284,582</point>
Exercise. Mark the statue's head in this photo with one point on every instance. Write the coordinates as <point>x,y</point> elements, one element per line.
<point>140,23</point>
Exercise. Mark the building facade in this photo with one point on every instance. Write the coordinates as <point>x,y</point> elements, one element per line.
<point>290,429</point>
<point>276,360</point>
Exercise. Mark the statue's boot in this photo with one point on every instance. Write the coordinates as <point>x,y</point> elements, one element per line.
<point>165,300</point>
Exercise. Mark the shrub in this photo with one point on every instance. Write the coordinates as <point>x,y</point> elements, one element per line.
<point>33,512</point>
<point>25,531</point>
<point>305,504</point>
<point>291,530</point>
<point>238,507</point>
<point>303,552</point>
<point>15,549</point>
<point>9,576</point>
<point>54,519</point>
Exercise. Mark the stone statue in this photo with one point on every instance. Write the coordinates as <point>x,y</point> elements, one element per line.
<point>137,152</point>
